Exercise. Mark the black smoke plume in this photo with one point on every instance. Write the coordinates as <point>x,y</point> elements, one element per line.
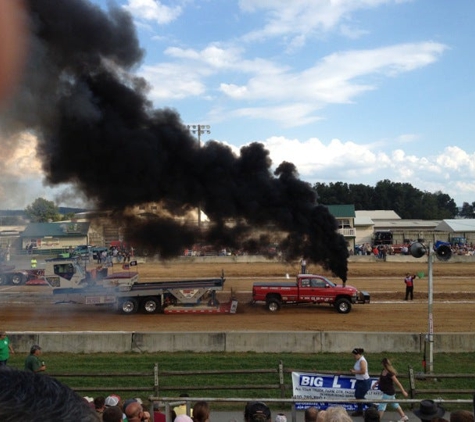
<point>98,131</point>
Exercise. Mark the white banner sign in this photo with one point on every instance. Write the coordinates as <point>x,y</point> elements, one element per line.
<point>327,387</point>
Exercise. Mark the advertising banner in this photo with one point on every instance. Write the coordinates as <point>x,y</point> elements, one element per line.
<point>322,387</point>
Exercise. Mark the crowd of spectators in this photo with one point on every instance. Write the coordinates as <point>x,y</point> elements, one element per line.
<point>381,251</point>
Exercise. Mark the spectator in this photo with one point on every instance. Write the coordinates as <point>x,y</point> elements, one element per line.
<point>371,414</point>
<point>303,266</point>
<point>321,415</point>
<point>386,383</point>
<point>33,362</point>
<point>369,249</point>
<point>429,410</point>
<point>182,409</point>
<point>158,415</point>
<point>182,418</point>
<point>461,416</point>
<point>5,348</point>
<point>135,413</point>
<point>201,412</point>
<point>112,400</point>
<point>281,418</point>
<point>256,411</point>
<point>129,401</point>
<point>337,414</point>
<point>363,382</point>
<point>100,405</point>
<point>32,397</point>
<point>311,414</point>
<point>112,414</point>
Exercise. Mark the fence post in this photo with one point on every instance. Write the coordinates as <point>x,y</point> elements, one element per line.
<point>412,384</point>
<point>155,380</point>
<point>281,380</point>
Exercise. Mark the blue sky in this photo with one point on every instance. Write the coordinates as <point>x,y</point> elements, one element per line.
<point>352,90</point>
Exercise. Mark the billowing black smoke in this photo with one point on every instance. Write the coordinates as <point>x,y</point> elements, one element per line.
<point>98,131</point>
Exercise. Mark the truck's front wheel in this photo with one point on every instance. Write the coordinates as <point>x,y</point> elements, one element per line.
<point>129,306</point>
<point>273,304</point>
<point>343,306</point>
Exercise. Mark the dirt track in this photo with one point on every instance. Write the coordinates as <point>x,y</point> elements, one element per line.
<point>31,308</point>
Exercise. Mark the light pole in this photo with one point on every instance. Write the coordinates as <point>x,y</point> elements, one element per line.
<point>430,339</point>
<point>418,250</point>
<point>199,130</point>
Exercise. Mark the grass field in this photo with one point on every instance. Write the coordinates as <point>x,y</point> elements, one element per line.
<point>101,366</point>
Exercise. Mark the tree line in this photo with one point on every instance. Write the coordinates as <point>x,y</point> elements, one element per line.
<point>39,211</point>
<point>403,198</point>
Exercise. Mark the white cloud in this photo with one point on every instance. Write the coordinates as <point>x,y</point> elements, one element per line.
<point>288,115</point>
<point>337,78</point>
<point>306,17</point>
<point>451,171</point>
<point>153,10</point>
<point>172,81</point>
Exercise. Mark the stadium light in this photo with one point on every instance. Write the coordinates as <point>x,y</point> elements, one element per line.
<point>199,130</point>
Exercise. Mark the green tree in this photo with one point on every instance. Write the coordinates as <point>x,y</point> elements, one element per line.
<point>42,211</point>
<point>467,210</point>
<point>67,216</point>
<point>11,220</point>
<point>406,200</point>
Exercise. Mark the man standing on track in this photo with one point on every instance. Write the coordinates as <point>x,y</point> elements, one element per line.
<point>409,280</point>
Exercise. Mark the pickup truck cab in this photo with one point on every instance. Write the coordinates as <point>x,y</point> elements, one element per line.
<point>308,288</point>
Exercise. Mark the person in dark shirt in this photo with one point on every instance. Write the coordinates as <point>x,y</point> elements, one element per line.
<point>386,383</point>
<point>33,362</point>
<point>409,281</point>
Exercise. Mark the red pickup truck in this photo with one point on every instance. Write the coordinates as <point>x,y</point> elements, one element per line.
<point>308,288</point>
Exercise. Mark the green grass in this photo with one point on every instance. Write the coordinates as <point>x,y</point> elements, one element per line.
<point>172,385</point>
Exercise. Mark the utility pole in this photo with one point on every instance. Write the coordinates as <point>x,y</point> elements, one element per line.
<point>199,130</point>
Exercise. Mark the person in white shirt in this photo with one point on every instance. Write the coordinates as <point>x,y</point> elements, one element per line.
<point>363,382</point>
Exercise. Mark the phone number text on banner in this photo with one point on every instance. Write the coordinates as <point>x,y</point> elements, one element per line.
<point>322,387</point>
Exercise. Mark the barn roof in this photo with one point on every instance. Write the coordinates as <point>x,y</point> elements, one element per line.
<point>459,225</point>
<point>59,229</point>
<point>378,214</point>
<point>342,211</point>
<point>363,220</point>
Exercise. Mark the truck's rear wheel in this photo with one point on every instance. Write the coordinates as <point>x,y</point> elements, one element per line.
<point>150,305</point>
<point>3,279</point>
<point>18,279</point>
<point>129,306</point>
<point>343,306</point>
<point>273,305</point>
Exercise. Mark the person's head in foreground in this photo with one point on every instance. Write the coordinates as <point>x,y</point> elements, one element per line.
<point>337,414</point>
<point>257,411</point>
<point>32,397</point>
<point>429,410</point>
